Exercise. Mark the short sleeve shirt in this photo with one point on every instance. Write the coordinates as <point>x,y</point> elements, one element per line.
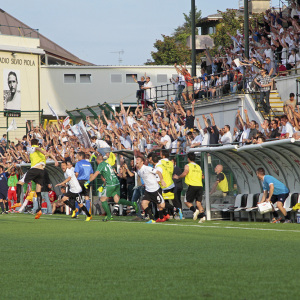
<point>279,187</point>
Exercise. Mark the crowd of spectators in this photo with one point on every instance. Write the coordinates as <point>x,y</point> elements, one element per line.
<point>273,51</point>
<point>170,127</point>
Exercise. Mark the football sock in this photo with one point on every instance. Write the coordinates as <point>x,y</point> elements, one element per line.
<point>106,208</point>
<point>148,211</point>
<point>19,191</point>
<point>125,202</point>
<point>2,206</point>
<point>275,214</point>
<point>192,208</point>
<point>161,214</point>
<point>85,210</point>
<point>6,206</point>
<point>201,215</point>
<point>287,217</point>
<point>39,201</point>
<point>169,208</point>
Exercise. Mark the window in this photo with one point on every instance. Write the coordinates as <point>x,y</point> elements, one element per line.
<point>129,78</point>
<point>162,78</point>
<point>116,78</point>
<point>85,78</point>
<point>69,78</point>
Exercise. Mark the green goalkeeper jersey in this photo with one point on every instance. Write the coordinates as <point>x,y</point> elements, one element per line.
<point>108,173</point>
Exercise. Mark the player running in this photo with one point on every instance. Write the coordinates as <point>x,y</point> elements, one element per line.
<point>168,190</point>
<point>73,193</point>
<point>167,167</point>
<point>193,178</point>
<point>275,192</point>
<point>152,189</point>
<point>35,173</point>
<point>111,187</point>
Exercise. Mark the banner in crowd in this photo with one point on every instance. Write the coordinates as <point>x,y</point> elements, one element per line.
<point>80,131</point>
<point>66,122</point>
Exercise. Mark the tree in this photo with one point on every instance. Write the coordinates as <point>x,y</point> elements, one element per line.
<point>181,33</point>
<point>169,52</point>
<point>173,49</point>
<point>230,23</point>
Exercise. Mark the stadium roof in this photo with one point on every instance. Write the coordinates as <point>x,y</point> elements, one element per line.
<point>9,25</point>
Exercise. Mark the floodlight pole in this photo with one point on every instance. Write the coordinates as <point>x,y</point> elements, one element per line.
<point>206,178</point>
<point>246,28</point>
<point>193,25</point>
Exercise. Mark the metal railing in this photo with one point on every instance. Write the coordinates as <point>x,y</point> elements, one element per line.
<point>283,58</point>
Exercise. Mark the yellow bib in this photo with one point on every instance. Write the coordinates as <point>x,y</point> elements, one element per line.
<point>167,176</point>
<point>168,165</point>
<point>37,157</point>
<point>223,185</point>
<point>194,176</point>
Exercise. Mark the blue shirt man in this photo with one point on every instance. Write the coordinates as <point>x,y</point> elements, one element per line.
<point>83,170</point>
<point>275,192</point>
<point>279,187</point>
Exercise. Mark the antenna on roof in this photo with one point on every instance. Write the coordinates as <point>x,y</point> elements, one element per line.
<point>120,60</point>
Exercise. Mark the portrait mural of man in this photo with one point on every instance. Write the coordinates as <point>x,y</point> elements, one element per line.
<point>11,89</point>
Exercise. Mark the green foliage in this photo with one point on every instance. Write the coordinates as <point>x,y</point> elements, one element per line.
<point>173,48</point>
<point>230,23</point>
<point>182,32</point>
<point>169,52</point>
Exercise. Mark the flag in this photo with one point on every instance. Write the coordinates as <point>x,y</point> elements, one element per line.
<point>80,131</point>
<point>66,122</point>
<point>13,125</point>
<point>54,114</point>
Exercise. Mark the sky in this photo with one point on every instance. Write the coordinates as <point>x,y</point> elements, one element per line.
<point>93,29</point>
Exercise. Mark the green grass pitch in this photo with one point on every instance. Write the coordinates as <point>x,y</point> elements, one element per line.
<point>60,258</point>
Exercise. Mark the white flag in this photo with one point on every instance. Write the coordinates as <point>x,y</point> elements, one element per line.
<point>13,125</point>
<point>54,114</point>
<point>66,122</point>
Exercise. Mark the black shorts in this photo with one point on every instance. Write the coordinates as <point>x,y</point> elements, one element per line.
<point>85,191</point>
<point>34,174</point>
<point>194,193</point>
<point>3,195</point>
<point>280,198</point>
<point>154,197</point>
<point>74,196</point>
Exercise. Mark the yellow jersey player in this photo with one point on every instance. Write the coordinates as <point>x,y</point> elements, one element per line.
<point>193,178</point>
<point>35,173</point>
